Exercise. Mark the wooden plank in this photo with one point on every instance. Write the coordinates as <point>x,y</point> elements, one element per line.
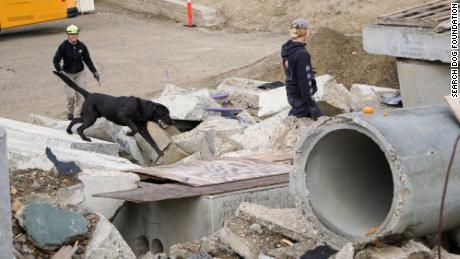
<point>454,105</point>
<point>208,172</point>
<point>427,15</point>
<point>412,23</point>
<point>273,157</point>
<point>417,8</point>
<point>149,192</point>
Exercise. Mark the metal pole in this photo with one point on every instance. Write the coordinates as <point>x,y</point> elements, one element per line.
<point>6,235</point>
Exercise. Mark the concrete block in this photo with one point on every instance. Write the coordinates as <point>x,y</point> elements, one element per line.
<point>332,98</point>
<point>181,220</point>
<point>176,10</point>
<point>222,128</point>
<point>289,222</point>
<point>186,104</point>
<point>258,137</point>
<point>239,244</point>
<point>6,236</point>
<point>285,138</point>
<point>54,138</point>
<point>272,102</point>
<point>106,181</point>
<point>258,102</point>
<point>97,130</point>
<point>106,242</point>
<point>423,83</point>
<point>407,42</point>
<point>370,95</point>
<point>26,155</point>
<point>103,130</point>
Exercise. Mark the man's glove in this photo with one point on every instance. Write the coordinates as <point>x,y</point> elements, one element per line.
<point>96,75</point>
<point>315,112</point>
<point>314,87</point>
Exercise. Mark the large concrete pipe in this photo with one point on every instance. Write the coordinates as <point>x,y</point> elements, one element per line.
<point>365,176</point>
<point>6,236</point>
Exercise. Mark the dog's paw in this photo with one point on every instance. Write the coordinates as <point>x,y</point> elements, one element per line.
<point>69,131</point>
<point>86,139</point>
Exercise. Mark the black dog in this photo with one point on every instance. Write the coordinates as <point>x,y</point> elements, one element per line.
<point>128,111</point>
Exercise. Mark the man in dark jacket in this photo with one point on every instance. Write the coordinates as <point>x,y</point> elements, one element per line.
<point>300,80</point>
<point>74,53</point>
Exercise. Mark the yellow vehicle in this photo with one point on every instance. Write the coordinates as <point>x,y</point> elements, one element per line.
<point>15,13</point>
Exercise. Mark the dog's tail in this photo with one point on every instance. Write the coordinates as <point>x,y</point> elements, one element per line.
<point>72,84</point>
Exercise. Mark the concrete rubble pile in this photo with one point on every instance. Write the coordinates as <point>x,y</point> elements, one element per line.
<point>237,119</point>
<point>46,195</point>
<point>54,214</point>
<point>260,232</point>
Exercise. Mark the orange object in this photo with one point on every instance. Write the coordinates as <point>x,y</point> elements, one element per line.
<point>368,110</point>
<point>15,13</point>
<point>372,231</point>
<point>189,13</point>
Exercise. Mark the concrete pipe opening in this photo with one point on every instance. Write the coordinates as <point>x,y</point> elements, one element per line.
<point>350,183</point>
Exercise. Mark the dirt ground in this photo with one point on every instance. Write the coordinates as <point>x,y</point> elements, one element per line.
<point>332,53</point>
<point>132,51</point>
<point>347,16</point>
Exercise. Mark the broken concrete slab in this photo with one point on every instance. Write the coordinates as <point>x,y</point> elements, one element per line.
<point>26,155</point>
<point>172,152</point>
<point>106,181</point>
<point>239,244</point>
<point>291,223</point>
<point>244,93</point>
<point>186,104</point>
<point>411,249</point>
<point>258,137</point>
<point>332,97</point>
<point>347,252</point>
<point>285,138</point>
<point>50,227</point>
<point>294,251</point>
<point>134,148</point>
<point>237,235</point>
<point>222,129</point>
<point>246,118</point>
<point>370,95</point>
<point>107,242</point>
<point>97,130</point>
<point>30,133</point>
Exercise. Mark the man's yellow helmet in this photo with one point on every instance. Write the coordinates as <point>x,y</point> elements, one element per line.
<point>72,29</point>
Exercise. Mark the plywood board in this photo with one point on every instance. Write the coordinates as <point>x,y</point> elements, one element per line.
<point>157,192</point>
<point>208,172</point>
